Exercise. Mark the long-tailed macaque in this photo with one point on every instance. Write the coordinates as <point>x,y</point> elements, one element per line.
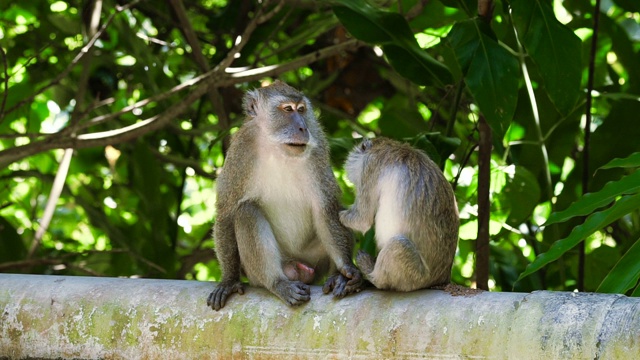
<point>406,196</point>
<point>277,204</point>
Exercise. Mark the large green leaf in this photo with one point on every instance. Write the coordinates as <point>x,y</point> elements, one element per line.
<point>399,119</point>
<point>490,72</point>
<point>632,160</point>
<point>553,47</point>
<point>593,223</point>
<point>625,274</point>
<point>436,145</point>
<point>392,31</point>
<point>591,201</point>
<point>522,192</point>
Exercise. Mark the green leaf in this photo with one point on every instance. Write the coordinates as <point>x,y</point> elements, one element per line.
<point>632,160</point>
<point>11,246</point>
<point>416,65</point>
<point>554,48</point>
<point>392,31</point>
<point>399,119</point>
<point>628,5</point>
<point>625,274</point>
<point>490,72</point>
<point>442,146</point>
<point>593,223</point>
<point>522,193</point>
<point>591,201</point>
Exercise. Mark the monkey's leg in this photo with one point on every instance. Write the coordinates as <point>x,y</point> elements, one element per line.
<point>399,267</point>
<point>229,259</point>
<point>261,258</point>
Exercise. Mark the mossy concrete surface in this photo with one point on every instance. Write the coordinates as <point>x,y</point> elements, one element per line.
<point>52,317</point>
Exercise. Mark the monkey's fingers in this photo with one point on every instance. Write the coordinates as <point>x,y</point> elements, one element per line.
<point>339,290</point>
<point>219,295</point>
<point>293,293</point>
<point>353,274</point>
<point>329,284</point>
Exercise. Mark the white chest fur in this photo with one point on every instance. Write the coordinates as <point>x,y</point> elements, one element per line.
<point>285,193</point>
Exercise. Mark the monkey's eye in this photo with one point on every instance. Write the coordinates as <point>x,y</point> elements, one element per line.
<point>301,109</point>
<point>287,108</point>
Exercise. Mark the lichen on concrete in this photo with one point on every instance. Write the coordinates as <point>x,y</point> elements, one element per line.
<point>54,317</point>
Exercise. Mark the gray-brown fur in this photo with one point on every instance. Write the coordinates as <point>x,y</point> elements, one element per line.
<point>405,195</point>
<point>277,203</point>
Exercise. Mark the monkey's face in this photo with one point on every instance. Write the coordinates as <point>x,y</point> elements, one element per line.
<point>289,125</point>
<point>284,116</point>
<point>356,161</point>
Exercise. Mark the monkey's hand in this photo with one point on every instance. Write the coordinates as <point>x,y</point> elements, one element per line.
<point>350,219</point>
<point>292,292</point>
<point>219,295</point>
<point>347,281</point>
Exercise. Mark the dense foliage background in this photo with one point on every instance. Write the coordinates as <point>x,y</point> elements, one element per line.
<point>144,94</point>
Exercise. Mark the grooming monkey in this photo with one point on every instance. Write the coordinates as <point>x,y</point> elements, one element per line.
<point>406,196</point>
<point>277,204</point>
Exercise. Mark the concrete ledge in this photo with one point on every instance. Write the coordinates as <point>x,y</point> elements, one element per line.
<point>53,317</point>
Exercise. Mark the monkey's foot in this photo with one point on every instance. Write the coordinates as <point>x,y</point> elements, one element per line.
<point>219,295</point>
<point>347,282</point>
<point>365,262</point>
<point>293,293</point>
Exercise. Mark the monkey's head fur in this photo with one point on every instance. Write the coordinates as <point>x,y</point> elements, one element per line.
<point>357,160</point>
<point>286,115</point>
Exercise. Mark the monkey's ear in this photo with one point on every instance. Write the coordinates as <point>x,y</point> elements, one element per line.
<point>250,103</point>
<point>365,145</point>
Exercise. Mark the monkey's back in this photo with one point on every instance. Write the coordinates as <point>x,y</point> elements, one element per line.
<point>415,200</point>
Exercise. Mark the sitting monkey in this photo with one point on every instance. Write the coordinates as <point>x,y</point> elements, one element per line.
<point>406,196</point>
<point>277,204</point>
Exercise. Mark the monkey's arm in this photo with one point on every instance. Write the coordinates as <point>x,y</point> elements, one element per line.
<point>360,216</point>
<point>338,241</point>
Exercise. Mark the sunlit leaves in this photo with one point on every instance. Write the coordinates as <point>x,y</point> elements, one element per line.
<point>553,47</point>
<point>491,72</point>
<point>632,160</point>
<point>625,274</point>
<point>592,201</point>
<point>593,223</point>
<point>392,32</point>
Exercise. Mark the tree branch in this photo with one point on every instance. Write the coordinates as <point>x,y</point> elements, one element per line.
<point>211,78</point>
<point>201,61</point>
<point>182,163</point>
<point>6,83</point>
<point>484,205</point>
<point>586,174</point>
